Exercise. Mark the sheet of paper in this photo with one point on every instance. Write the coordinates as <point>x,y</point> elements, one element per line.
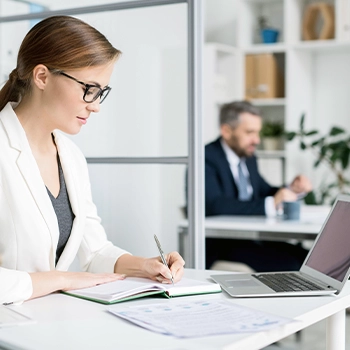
<point>199,318</point>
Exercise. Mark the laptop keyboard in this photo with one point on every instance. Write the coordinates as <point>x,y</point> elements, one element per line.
<point>287,282</point>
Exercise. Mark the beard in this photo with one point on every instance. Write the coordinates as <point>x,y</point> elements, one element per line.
<point>245,152</point>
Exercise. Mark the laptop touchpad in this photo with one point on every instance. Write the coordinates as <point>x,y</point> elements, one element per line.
<point>243,283</point>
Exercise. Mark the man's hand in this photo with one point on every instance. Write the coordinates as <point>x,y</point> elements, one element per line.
<point>301,184</point>
<point>284,195</point>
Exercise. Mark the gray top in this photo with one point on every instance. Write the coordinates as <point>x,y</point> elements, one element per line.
<point>64,212</point>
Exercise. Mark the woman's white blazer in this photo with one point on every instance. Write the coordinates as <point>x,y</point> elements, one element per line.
<point>28,224</point>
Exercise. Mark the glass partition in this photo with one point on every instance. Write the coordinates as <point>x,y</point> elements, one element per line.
<point>137,201</point>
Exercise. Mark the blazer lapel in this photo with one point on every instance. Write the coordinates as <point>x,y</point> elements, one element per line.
<point>29,169</point>
<point>30,172</point>
<point>229,184</point>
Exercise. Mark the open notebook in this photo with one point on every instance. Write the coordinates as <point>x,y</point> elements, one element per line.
<point>324,271</point>
<point>132,288</point>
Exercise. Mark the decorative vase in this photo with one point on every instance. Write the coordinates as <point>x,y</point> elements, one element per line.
<point>269,35</point>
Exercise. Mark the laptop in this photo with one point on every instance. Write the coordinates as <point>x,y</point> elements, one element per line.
<point>324,271</point>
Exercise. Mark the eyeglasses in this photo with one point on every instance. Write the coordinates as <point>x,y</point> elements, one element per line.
<point>92,92</point>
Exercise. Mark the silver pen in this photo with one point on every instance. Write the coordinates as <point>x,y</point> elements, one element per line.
<point>162,256</point>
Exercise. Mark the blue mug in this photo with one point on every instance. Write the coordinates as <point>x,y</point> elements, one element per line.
<point>291,210</point>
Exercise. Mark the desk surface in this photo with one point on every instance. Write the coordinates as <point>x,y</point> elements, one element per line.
<point>257,227</point>
<point>311,221</point>
<point>65,322</point>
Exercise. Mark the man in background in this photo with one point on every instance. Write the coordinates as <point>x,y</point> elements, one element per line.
<point>233,186</point>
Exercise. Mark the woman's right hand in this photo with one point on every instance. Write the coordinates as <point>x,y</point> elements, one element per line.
<point>51,281</point>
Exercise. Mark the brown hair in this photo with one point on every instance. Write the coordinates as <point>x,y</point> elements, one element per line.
<point>58,42</point>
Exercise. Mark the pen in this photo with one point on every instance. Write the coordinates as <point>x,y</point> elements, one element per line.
<point>162,256</point>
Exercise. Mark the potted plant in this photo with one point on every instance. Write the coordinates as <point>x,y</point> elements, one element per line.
<point>272,135</point>
<point>268,34</point>
<point>332,150</point>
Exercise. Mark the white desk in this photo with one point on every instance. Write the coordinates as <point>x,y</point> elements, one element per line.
<point>65,322</point>
<point>258,227</point>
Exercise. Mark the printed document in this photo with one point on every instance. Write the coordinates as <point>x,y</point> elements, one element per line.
<point>199,318</point>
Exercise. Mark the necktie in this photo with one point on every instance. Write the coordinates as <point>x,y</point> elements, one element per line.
<point>243,193</point>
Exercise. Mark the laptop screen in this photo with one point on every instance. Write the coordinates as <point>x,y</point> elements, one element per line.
<point>331,253</point>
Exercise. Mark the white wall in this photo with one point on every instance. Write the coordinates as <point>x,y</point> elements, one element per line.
<point>9,44</point>
<point>220,21</point>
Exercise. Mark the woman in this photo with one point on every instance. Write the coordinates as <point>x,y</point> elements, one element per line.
<point>47,216</point>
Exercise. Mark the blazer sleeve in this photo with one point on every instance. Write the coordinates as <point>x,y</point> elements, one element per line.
<point>15,286</point>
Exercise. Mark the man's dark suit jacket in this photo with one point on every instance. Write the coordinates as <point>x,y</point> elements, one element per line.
<point>221,193</point>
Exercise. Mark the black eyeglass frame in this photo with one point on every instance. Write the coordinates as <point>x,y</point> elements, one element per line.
<point>103,93</point>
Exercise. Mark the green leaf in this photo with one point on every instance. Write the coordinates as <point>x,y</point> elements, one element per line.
<point>317,163</point>
<point>302,119</point>
<point>316,142</point>
<point>324,150</point>
<point>290,135</point>
<point>334,157</point>
<point>336,131</point>
<point>313,132</point>
<point>302,145</point>
<point>345,158</point>
<point>339,145</point>
<point>311,199</point>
